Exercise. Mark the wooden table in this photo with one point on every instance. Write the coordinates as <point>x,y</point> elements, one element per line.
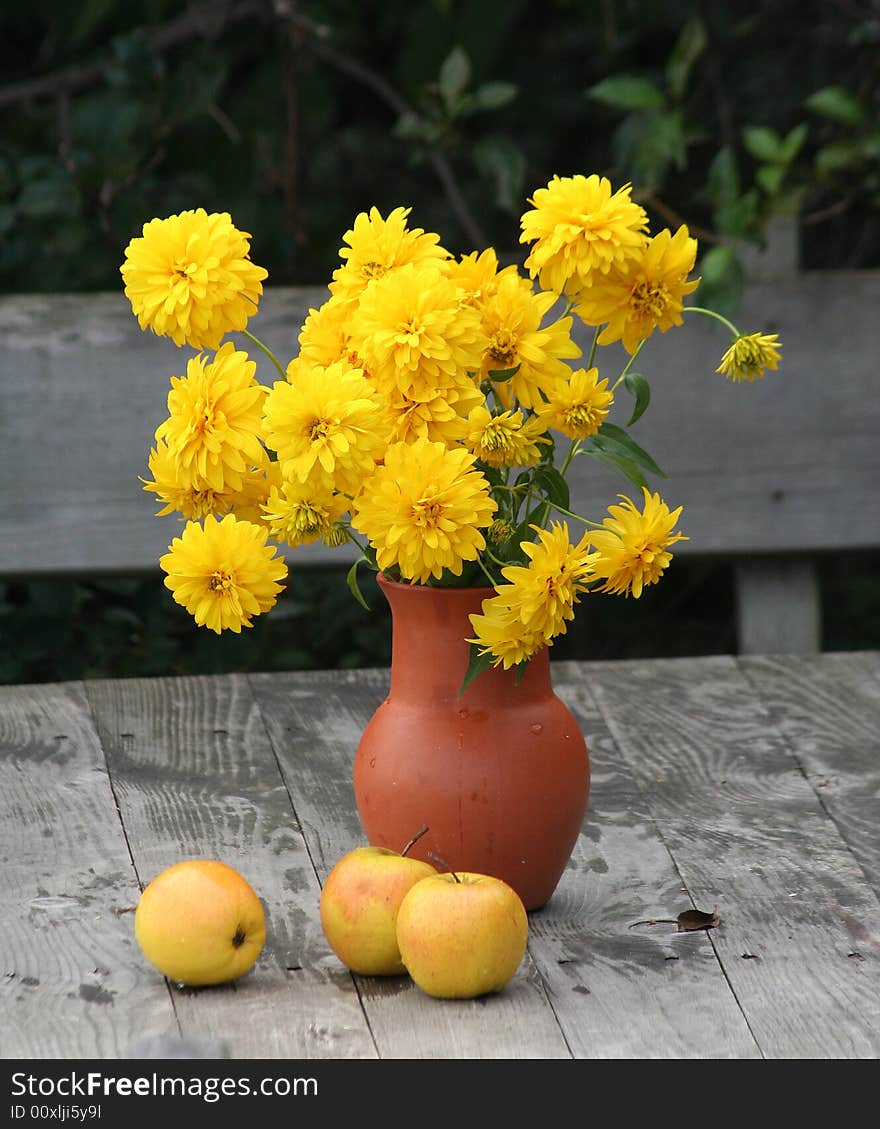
<point>750,785</point>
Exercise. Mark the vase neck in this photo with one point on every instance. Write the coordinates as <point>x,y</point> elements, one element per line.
<point>430,652</point>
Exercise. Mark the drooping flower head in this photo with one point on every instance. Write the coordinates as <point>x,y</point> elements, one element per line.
<point>325,335</point>
<point>327,423</point>
<point>223,572</point>
<point>213,427</point>
<point>443,418</point>
<point>300,513</point>
<point>632,548</point>
<point>416,334</point>
<point>185,493</point>
<point>643,295</point>
<point>376,245</point>
<point>580,228</point>
<point>578,405</point>
<point>533,607</point>
<point>423,510</point>
<point>189,277</point>
<point>749,356</point>
<point>504,440</point>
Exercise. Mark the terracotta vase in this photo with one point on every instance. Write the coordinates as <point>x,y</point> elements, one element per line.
<point>500,775</point>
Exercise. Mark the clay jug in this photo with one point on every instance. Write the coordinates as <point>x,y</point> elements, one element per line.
<point>500,774</point>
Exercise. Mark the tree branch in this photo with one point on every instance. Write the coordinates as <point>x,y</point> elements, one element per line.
<point>206,21</point>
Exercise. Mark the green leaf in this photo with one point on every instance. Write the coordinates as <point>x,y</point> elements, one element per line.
<point>627,468</point>
<point>499,375</point>
<point>688,47</point>
<point>477,663</point>
<point>614,438</point>
<point>641,391</point>
<point>770,178</point>
<point>494,95</point>
<point>838,103</point>
<point>645,144</point>
<point>837,157</point>
<point>455,73</point>
<point>722,279</point>
<point>554,485</point>
<point>763,143</point>
<point>351,580</point>
<point>502,161</point>
<point>794,141</point>
<point>628,92</point>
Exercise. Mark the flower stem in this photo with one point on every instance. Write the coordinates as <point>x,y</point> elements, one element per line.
<point>593,346</point>
<point>712,314</point>
<point>629,363</point>
<point>259,344</point>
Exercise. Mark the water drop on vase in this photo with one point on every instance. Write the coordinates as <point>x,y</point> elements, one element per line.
<point>536,727</point>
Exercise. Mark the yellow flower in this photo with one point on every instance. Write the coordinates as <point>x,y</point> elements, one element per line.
<point>577,406</point>
<point>442,418</point>
<point>377,246</point>
<point>415,333</point>
<point>328,423</point>
<point>477,274</point>
<point>189,277</point>
<point>300,513</point>
<point>504,440</point>
<point>500,633</point>
<point>530,610</point>
<point>632,548</point>
<point>645,294</point>
<point>213,427</point>
<point>580,228</point>
<point>511,320</point>
<point>423,509</point>
<point>223,572</point>
<point>325,336</point>
<point>180,492</point>
<point>749,355</point>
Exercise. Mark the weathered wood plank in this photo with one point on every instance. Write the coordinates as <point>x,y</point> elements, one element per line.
<point>748,834</point>
<point>778,605</point>
<point>615,994</point>
<point>781,465</point>
<point>621,992</point>
<point>195,777</point>
<point>829,712</point>
<point>315,720</point>
<point>71,981</point>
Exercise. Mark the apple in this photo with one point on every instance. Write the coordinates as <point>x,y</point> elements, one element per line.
<point>461,934</point>
<point>200,922</point>
<point>359,904</point>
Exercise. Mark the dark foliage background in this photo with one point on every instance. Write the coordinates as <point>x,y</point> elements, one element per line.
<point>296,116</point>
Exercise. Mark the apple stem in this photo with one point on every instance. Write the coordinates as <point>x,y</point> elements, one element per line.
<point>443,863</point>
<point>415,838</point>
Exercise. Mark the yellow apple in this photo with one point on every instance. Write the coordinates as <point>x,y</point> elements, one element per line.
<point>462,934</point>
<point>200,922</point>
<point>359,904</point>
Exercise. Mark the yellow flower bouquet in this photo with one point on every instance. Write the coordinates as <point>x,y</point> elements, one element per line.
<point>430,416</point>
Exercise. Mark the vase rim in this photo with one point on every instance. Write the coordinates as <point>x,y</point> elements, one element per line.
<point>382,579</point>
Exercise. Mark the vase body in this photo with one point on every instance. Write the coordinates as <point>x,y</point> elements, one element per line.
<point>500,775</point>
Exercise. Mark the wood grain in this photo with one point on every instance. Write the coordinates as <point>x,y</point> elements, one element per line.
<point>746,785</point>
<point>315,720</point>
<point>195,777</point>
<point>619,991</point>
<point>749,835</point>
<point>79,366</point>
<point>71,980</point>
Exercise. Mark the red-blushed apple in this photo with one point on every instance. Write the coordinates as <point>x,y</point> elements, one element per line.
<point>461,934</point>
<point>359,904</point>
